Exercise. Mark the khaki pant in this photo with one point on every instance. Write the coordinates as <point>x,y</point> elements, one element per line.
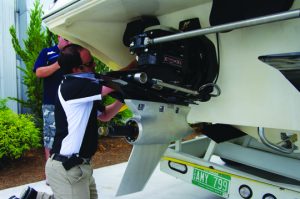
<point>76,183</point>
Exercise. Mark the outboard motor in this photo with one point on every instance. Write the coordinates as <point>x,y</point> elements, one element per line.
<point>172,73</point>
<point>178,73</point>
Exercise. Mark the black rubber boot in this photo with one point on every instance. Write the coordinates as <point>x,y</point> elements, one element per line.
<point>13,197</point>
<point>29,193</point>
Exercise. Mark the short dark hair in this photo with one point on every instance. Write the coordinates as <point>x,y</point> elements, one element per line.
<point>69,58</point>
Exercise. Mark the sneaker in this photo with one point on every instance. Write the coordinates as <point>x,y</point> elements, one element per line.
<point>29,193</point>
<point>13,197</point>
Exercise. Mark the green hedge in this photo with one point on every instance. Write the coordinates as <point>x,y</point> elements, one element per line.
<point>17,133</point>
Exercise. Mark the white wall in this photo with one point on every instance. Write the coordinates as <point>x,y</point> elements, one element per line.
<point>8,73</point>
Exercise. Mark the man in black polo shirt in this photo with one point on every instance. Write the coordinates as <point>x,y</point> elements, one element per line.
<point>77,109</point>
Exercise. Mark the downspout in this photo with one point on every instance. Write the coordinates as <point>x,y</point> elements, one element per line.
<point>18,62</point>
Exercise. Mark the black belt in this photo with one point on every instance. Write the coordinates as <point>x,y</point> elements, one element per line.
<point>60,158</point>
<point>70,162</point>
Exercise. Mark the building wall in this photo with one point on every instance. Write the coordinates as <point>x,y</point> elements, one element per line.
<point>8,71</point>
<point>16,13</point>
<point>23,19</point>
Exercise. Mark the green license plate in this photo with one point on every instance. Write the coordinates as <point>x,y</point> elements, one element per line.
<point>214,182</point>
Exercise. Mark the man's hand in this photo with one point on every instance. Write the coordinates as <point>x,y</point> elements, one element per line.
<point>46,71</point>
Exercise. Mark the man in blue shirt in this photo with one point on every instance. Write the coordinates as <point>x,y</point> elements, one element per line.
<point>46,67</point>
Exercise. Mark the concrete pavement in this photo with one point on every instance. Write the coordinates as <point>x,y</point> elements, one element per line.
<point>160,186</point>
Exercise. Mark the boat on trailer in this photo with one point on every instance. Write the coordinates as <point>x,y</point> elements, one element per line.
<point>238,78</point>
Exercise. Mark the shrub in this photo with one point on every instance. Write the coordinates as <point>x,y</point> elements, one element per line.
<point>17,134</point>
<point>3,105</point>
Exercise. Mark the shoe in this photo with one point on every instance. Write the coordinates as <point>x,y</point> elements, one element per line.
<point>29,193</point>
<point>13,197</point>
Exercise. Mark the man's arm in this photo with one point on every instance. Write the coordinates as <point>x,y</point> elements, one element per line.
<point>105,91</point>
<point>110,111</point>
<point>45,71</point>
